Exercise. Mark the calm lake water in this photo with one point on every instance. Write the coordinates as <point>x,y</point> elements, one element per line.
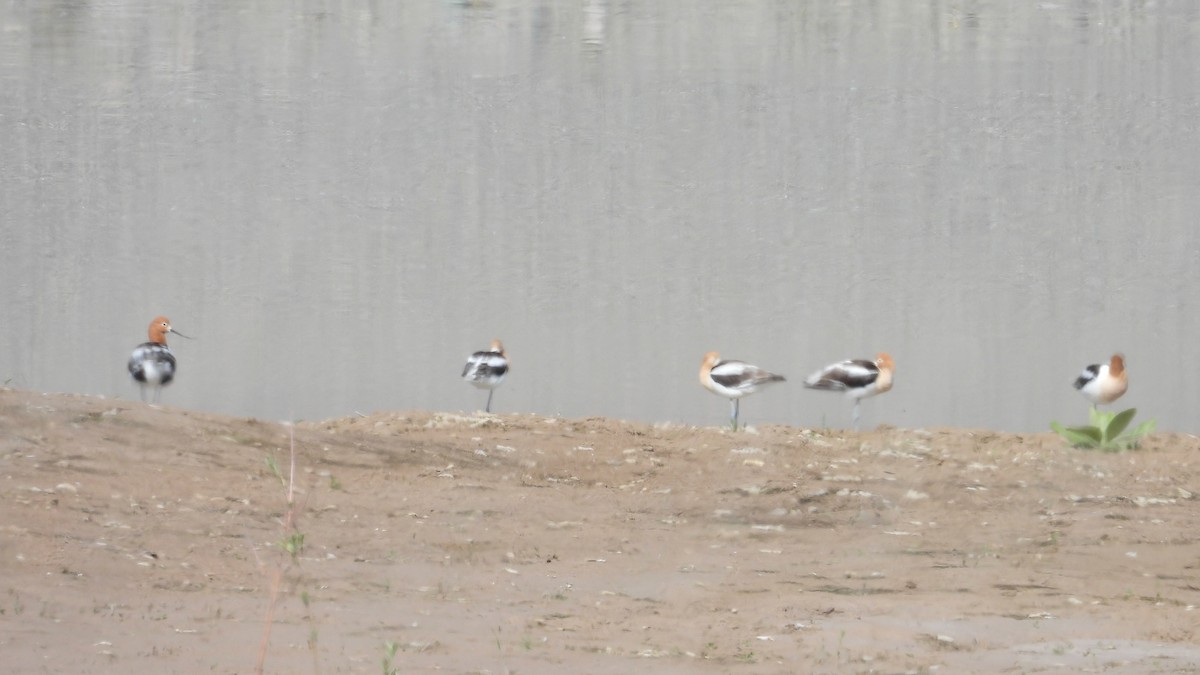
<point>340,200</point>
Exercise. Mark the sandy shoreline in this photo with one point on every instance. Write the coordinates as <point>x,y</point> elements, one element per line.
<point>142,540</point>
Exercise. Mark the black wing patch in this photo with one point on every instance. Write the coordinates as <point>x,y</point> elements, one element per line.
<point>845,375</point>
<point>1090,373</point>
<point>155,355</point>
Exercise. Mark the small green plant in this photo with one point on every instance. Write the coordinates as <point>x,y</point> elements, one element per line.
<point>274,467</point>
<point>292,544</point>
<point>745,655</point>
<point>389,658</point>
<point>1107,431</point>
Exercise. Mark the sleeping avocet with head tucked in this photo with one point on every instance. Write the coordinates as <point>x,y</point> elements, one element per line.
<point>858,378</point>
<point>1104,383</point>
<point>487,369</point>
<point>152,363</point>
<point>733,380</point>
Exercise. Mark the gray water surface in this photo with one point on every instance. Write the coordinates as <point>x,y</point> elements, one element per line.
<point>341,200</point>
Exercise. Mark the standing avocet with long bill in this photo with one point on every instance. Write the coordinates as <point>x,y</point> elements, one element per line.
<point>1104,383</point>
<point>733,380</point>
<point>486,370</point>
<point>152,363</point>
<point>858,378</point>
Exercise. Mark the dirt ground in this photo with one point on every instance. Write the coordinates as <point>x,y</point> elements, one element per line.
<point>136,539</point>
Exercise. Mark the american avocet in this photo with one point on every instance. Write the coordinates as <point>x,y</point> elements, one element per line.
<point>152,363</point>
<point>733,380</point>
<point>859,378</point>
<point>487,369</point>
<point>1104,383</point>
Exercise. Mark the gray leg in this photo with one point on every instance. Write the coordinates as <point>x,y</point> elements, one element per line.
<point>735,408</point>
<point>857,403</point>
<point>488,408</point>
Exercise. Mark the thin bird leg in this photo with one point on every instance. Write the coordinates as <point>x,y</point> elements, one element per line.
<point>857,402</point>
<point>735,408</point>
<point>157,393</point>
<point>488,407</point>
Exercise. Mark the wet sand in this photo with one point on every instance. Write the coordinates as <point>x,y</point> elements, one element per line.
<point>145,540</point>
